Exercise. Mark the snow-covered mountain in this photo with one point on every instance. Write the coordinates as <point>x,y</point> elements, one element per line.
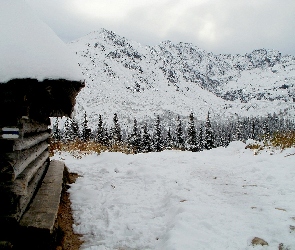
<point>139,81</point>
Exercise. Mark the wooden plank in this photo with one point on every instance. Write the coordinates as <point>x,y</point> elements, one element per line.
<point>43,210</point>
<point>26,143</point>
<point>12,164</point>
<point>14,206</point>
<point>31,190</point>
<point>20,185</point>
<point>23,143</point>
<point>28,126</point>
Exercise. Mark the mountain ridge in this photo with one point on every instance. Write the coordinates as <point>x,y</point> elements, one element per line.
<point>124,77</point>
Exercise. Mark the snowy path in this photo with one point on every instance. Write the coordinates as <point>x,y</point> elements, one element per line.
<point>217,199</point>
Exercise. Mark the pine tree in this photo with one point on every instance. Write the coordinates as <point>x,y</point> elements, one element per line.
<point>116,130</point>
<point>99,131</point>
<point>101,135</point>
<point>67,130</point>
<point>134,139</point>
<point>169,140</point>
<point>201,140</point>
<point>145,145</point>
<point>75,132</point>
<point>275,121</point>
<point>179,134</point>
<point>218,136</point>
<point>252,130</point>
<point>157,138</point>
<point>86,132</point>
<point>209,136</point>
<point>192,134</point>
<point>238,132</point>
<point>227,137</point>
<point>265,130</point>
<point>56,131</point>
<point>106,139</point>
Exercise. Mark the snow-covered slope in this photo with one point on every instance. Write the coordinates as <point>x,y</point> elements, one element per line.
<point>140,81</point>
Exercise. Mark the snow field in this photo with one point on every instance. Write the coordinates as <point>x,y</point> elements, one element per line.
<point>217,199</point>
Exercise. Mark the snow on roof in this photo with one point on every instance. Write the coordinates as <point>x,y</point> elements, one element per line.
<point>30,49</point>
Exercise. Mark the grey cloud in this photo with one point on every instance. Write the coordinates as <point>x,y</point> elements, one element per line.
<point>224,26</point>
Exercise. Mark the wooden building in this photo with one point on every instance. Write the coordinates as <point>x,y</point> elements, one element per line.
<point>39,78</point>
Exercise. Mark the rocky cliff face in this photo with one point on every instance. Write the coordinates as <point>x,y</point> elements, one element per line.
<point>133,80</point>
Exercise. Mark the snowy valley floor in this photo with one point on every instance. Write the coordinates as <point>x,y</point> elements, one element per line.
<point>217,199</point>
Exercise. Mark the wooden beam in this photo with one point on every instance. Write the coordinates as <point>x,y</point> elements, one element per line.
<point>12,192</point>
<point>23,143</point>
<point>28,142</point>
<point>28,126</point>
<point>20,185</point>
<point>31,190</point>
<point>42,212</point>
<point>12,164</point>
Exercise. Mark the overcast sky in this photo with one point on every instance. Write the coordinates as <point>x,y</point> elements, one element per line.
<point>218,26</point>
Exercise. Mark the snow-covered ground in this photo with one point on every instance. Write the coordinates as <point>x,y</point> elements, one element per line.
<point>217,199</point>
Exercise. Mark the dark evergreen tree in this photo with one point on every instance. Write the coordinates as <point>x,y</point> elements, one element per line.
<point>265,130</point>
<point>281,123</point>
<point>99,131</point>
<point>192,134</point>
<point>157,138</point>
<point>56,135</point>
<point>201,139</point>
<point>275,122</point>
<point>246,129</point>
<point>224,140</point>
<point>146,141</point>
<point>67,130</point>
<point>252,134</point>
<point>169,141</point>
<point>101,135</point>
<point>75,132</point>
<point>179,134</point>
<point>116,130</point>
<point>86,132</point>
<point>135,138</point>
<point>106,138</point>
<point>218,136</point>
<point>209,136</point>
<point>238,131</point>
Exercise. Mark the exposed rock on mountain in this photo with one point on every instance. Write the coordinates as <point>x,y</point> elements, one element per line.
<point>139,81</point>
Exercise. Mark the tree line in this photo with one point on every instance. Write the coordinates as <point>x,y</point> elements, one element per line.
<point>190,134</point>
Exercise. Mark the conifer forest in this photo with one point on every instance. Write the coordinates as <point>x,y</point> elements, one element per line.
<point>187,134</point>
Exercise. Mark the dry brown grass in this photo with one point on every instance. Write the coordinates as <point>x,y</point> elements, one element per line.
<point>75,146</point>
<point>79,148</point>
<point>279,140</point>
<point>121,147</point>
<point>283,140</point>
<point>254,146</point>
